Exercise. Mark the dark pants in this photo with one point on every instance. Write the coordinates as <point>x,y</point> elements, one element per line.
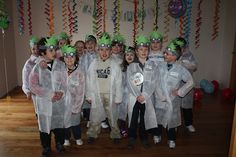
<point>46,138</point>
<point>171,133</point>
<point>138,112</point>
<point>86,113</point>
<point>75,130</point>
<point>122,124</point>
<point>188,116</point>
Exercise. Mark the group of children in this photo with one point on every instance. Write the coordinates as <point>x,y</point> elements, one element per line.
<point>108,82</point>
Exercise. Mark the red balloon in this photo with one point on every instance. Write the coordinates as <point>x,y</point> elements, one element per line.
<point>198,94</point>
<point>227,94</point>
<point>216,85</point>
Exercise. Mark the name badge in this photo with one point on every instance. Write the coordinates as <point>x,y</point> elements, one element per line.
<point>175,74</point>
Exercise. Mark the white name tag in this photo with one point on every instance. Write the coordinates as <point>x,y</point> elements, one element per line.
<point>175,74</point>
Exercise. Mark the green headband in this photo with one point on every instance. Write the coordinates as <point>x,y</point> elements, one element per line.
<point>33,41</point>
<point>141,41</point>
<point>118,38</point>
<point>51,42</point>
<point>68,50</point>
<point>104,41</point>
<point>156,36</point>
<point>63,35</point>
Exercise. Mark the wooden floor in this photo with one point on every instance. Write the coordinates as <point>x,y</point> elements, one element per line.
<point>212,118</point>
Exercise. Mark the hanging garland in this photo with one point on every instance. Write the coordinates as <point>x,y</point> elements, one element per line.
<point>135,22</point>
<point>99,18</point>
<point>187,20</point>
<point>155,26</point>
<point>116,16</point>
<point>29,17</point>
<point>21,19</point>
<point>198,25</point>
<point>50,16</point>
<point>74,17</point>
<point>215,32</point>
<point>104,15</point>
<point>181,26</point>
<point>94,17</point>
<point>142,16</point>
<point>166,23</point>
<point>64,14</point>
<point>70,20</point>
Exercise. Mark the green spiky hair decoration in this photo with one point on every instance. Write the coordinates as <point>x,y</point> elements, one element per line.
<point>141,41</point>
<point>129,49</point>
<point>33,41</point>
<point>90,38</point>
<point>4,22</point>
<point>104,41</point>
<point>156,36</point>
<point>51,42</point>
<point>106,35</point>
<point>172,47</point>
<point>63,35</point>
<point>179,42</point>
<point>118,38</point>
<point>68,49</point>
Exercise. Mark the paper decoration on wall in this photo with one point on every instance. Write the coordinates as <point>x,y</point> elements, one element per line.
<point>198,24</point>
<point>74,16</point>
<point>155,23</point>
<point>29,17</point>
<point>215,28</point>
<point>177,8</point>
<point>49,8</point>
<point>142,15</point>
<point>187,20</point>
<point>135,22</point>
<point>20,16</point>
<point>116,16</point>
<point>166,23</point>
<point>99,18</point>
<point>104,15</point>
<point>70,20</point>
<point>181,26</point>
<point>64,15</point>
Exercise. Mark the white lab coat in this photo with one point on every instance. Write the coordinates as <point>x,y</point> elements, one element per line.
<point>149,75</point>
<point>123,107</point>
<point>43,83</point>
<point>97,113</point>
<point>167,105</point>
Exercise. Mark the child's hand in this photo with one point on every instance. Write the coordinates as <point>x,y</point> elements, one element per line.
<point>175,92</point>
<point>57,96</point>
<point>140,99</point>
<point>43,64</point>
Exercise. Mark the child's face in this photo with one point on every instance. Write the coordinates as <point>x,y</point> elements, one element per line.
<point>34,50</point>
<point>69,60</point>
<point>104,53</point>
<point>169,57</point>
<point>142,52</point>
<point>50,54</point>
<point>129,57</point>
<point>90,46</point>
<point>79,47</point>
<point>116,49</point>
<point>62,42</point>
<point>156,46</point>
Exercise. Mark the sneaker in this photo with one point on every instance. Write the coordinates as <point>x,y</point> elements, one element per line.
<point>124,133</point>
<point>131,142</point>
<point>145,144</point>
<point>66,143</point>
<point>46,152</point>
<point>104,125</point>
<point>79,142</point>
<point>91,140</point>
<point>87,124</point>
<point>60,149</point>
<point>171,144</point>
<point>156,139</point>
<point>191,128</point>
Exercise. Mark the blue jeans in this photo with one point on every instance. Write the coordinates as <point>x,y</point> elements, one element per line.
<point>75,130</point>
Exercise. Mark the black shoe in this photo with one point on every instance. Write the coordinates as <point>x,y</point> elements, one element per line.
<point>116,140</point>
<point>91,140</point>
<point>60,148</point>
<point>46,152</point>
<point>145,144</point>
<point>131,142</point>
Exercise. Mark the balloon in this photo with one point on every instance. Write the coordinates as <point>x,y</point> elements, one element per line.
<point>227,94</point>
<point>216,85</point>
<point>198,94</point>
<point>207,86</point>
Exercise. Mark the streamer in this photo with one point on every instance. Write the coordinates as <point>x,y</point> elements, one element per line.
<point>155,26</point>
<point>135,22</point>
<point>198,25</point>
<point>187,20</point>
<point>21,20</point>
<point>215,28</point>
<point>29,17</point>
<point>166,23</point>
<point>64,15</point>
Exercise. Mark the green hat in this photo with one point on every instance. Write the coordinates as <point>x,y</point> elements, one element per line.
<point>90,38</point>
<point>181,42</point>
<point>118,38</point>
<point>173,49</point>
<point>142,41</point>
<point>33,41</point>
<point>63,35</point>
<point>51,42</point>
<point>129,49</point>
<point>104,41</point>
<point>156,36</point>
<point>68,50</point>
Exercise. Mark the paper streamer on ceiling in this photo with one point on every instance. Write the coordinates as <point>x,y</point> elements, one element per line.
<point>64,15</point>
<point>142,16</point>
<point>135,22</point>
<point>49,16</point>
<point>166,22</point>
<point>187,20</point>
<point>29,17</point>
<point>155,23</point>
<point>198,24</point>
<point>215,28</point>
<point>21,19</point>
